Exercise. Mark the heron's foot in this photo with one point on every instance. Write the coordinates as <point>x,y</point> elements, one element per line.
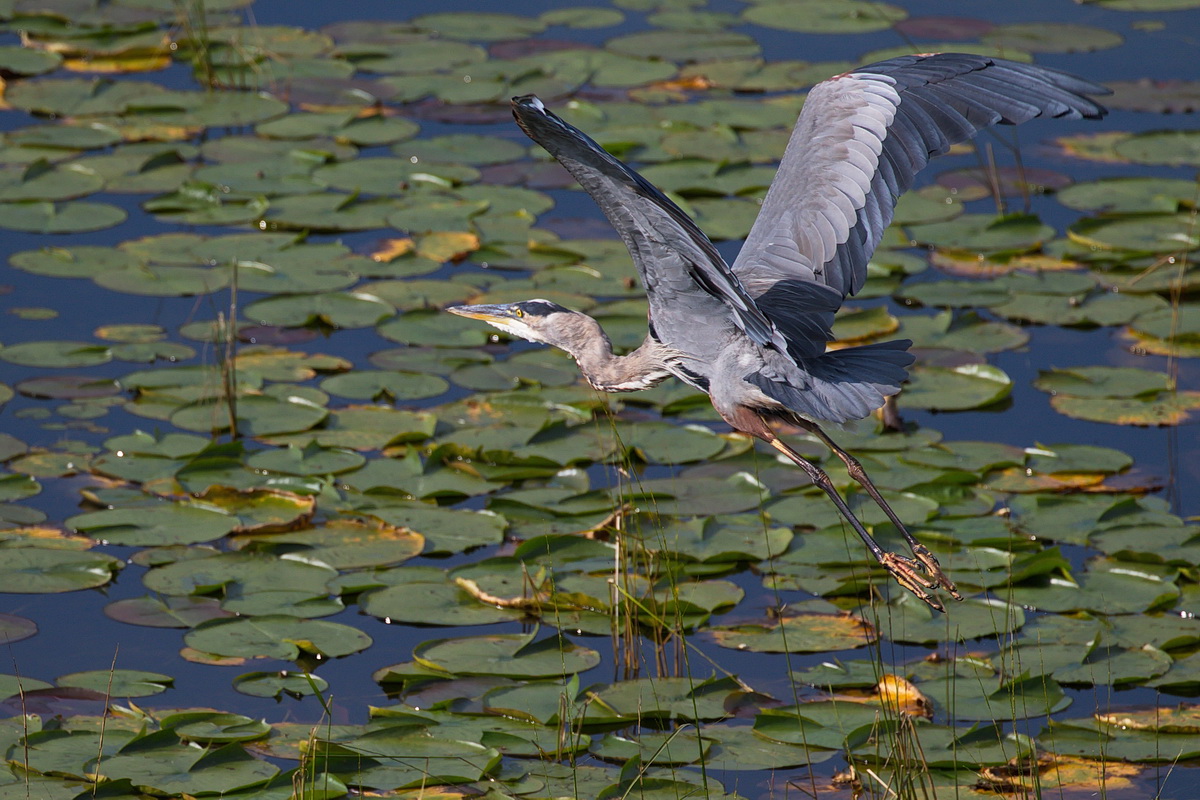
<point>934,570</point>
<point>916,577</point>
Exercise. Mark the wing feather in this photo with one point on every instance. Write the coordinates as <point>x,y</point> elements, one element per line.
<point>667,247</point>
<point>864,135</point>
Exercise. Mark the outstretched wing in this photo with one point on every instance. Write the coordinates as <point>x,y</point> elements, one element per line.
<point>669,250</point>
<point>860,139</point>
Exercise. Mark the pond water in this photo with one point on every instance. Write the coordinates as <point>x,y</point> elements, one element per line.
<point>415,511</point>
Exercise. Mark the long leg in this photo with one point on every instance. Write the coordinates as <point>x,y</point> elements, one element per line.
<point>859,474</point>
<point>908,573</point>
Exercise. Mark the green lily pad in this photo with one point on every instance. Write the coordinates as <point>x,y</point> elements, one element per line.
<point>1174,148</point>
<point>1142,233</point>
<point>56,354</point>
<point>14,628</point>
<point>399,757</point>
<point>119,682</point>
<point>1076,458</point>
<point>328,212</point>
<point>1103,382</point>
<point>446,530</point>
<point>584,18</point>
<point>276,636</point>
<point>479,26</point>
<point>1128,195</point>
<point>261,415</point>
<point>740,748</point>
<point>954,389</point>
<point>1119,395</point>
<point>164,281</point>
<point>43,181</point>
<point>311,460</point>
<point>277,684</point>
<point>985,233</point>
<point>954,294</point>
<point>806,633</point>
<point>431,328</point>
<point>695,496</point>
<point>1094,739</point>
<point>343,543</point>
<point>461,148</point>
<point>374,427</point>
<point>913,621</point>
<point>166,765</point>
<point>430,598</point>
<point>720,539</point>
<point>165,612</point>
<point>336,309</point>
<point>511,655</point>
<point>74,262</point>
<point>167,523</point>
<point>1050,37</point>
<point>387,386</point>
<point>75,216</point>
<point>235,574</point>
<point>18,487</point>
<point>990,699</point>
<point>34,570</point>
<point>1106,308</point>
<point>1117,591</point>
<point>962,331</point>
<point>664,443</point>
<point>685,45</point>
<point>658,749</point>
<point>814,16</point>
<point>27,61</point>
<point>207,727</point>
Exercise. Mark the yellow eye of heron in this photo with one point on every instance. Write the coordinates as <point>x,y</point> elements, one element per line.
<point>518,312</point>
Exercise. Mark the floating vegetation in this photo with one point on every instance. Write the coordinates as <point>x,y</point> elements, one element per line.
<point>236,409</point>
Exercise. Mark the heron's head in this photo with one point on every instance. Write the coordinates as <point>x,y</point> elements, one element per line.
<point>536,320</point>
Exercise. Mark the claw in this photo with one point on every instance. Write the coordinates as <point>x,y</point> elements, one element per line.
<point>910,575</point>
<point>934,570</point>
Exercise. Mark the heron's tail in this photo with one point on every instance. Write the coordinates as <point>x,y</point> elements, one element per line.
<point>841,385</point>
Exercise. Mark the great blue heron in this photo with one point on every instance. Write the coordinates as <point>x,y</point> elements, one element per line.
<point>753,336</point>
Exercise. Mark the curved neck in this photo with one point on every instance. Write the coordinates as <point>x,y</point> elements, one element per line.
<point>592,351</point>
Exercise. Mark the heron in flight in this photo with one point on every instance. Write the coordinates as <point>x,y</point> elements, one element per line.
<point>753,335</point>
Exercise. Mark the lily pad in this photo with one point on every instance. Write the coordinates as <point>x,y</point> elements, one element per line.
<point>1050,37</point>
<point>56,354</point>
<point>685,45</point>
<point>1128,195</point>
<point>985,233</point>
<point>275,636</point>
<point>167,523</point>
<point>76,216</point>
<point>1174,148</point>
<point>35,570</point>
<point>807,633</point>
<point>955,389</point>
<point>388,386</point>
<point>1103,382</point>
<point>14,628</point>
<point>816,16</point>
<point>277,684</point>
<point>433,599</point>
<point>512,655</point>
<point>343,543</point>
<point>119,682</point>
<point>165,612</point>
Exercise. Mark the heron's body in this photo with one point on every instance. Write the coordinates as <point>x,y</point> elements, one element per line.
<point>753,335</point>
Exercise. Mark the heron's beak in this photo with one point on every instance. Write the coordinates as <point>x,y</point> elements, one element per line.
<point>492,314</point>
